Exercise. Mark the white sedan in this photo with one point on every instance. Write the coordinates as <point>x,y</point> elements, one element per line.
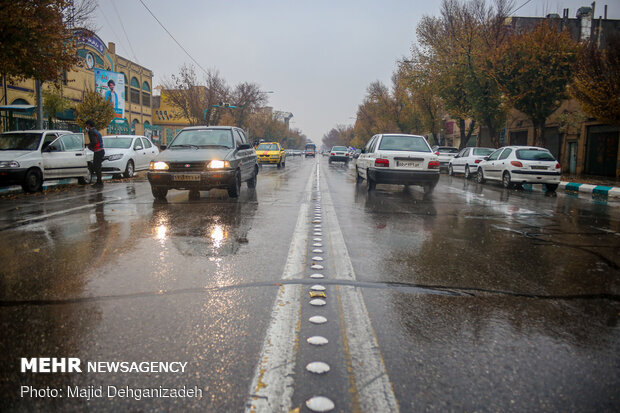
<point>398,159</point>
<point>517,165</point>
<point>466,161</point>
<point>126,154</point>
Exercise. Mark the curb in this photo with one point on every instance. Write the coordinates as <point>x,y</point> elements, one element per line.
<point>601,190</point>
<point>572,187</point>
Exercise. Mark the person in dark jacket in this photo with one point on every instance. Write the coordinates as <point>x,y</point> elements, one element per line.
<point>96,145</point>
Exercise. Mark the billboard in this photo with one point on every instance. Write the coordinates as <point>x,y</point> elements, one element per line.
<point>111,85</point>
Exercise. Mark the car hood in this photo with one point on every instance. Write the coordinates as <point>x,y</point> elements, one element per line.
<point>193,155</point>
<point>114,151</point>
<point>12,155</point>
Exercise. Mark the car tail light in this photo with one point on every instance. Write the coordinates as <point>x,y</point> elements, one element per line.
<point>333,154</point>
<point>346,154</point>
<point>437,153</point>
<point>433,164</point>
<point>516,163</point>
<point>477,160</point>
<point>382,162</point>
<point>558,166</point>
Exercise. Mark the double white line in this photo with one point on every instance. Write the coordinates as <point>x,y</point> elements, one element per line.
<point>273,383</point>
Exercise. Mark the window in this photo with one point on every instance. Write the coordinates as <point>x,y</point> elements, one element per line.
<point>244,138</point>
<point>147,143</point>
<point>483,151</point>
<point>465,153</point>
<point>505,154</point>
<point>237,136</point>
<point>137,145</point>
<point>134,96</point>
<point>370,144</point>
<point>534,155</point>
<point>495,154</point>
<point>145,87</point>
<point>146,99</point>
<point>404,143</point>
<point>135,83</point>
<point>72,142</point>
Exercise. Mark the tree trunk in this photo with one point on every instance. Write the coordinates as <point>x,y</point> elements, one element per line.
<point>539,132</point>
<point>39,104</point>
<point>465,136</point>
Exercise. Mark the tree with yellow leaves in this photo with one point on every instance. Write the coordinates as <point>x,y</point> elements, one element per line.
<point>533,70</point>
<point>596,82</point>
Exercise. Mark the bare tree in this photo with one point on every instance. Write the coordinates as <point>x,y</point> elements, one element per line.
<point>186,95</point>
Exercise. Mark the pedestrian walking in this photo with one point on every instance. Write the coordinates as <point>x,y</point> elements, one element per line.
<point>96,145</point>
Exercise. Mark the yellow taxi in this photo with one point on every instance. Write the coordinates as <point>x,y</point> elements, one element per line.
<point>272,153</point>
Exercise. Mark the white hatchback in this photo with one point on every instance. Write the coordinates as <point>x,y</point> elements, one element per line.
<point>398,159</point>
<point>126,154</point>
<point>467,160</point>
<point>517,165</point>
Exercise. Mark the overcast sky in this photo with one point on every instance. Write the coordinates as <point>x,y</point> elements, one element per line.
<point>318,56</point>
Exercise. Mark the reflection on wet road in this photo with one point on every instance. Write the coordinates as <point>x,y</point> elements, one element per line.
<point>535,323</point>
<point>480,298</point>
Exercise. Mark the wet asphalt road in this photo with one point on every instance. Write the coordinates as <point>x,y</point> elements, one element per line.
<point>480,298</point>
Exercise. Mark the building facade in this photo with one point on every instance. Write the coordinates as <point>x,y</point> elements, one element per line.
<point>93,54</point>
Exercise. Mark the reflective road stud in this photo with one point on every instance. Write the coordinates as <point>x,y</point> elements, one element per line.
<point>320,404</point>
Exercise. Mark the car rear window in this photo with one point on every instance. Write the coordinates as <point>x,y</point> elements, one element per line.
<point>339,148</point>
<point>267,147</point>
<point>117,143</point>
<point>448,150</point>
<point>404,143</point>
<point>483,151</point>
<point>534,155</point>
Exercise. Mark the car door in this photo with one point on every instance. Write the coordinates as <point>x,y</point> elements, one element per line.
<point>502,162</point>
<point>458,162</point>
<point>242,155</point>
<point>150,151</point>
<point>139,154</point>
<point>60,162</point>
<point>366,156</point>
<point>491,168</point>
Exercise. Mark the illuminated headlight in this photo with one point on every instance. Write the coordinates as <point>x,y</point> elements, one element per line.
<point>217,164</point>
<point>159,166</point>
<point>9,164</point>
<point>115,157</point>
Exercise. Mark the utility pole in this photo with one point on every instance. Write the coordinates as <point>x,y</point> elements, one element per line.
<point>37,86</point>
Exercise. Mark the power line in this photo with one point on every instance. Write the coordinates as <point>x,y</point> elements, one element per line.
<point>123,27</point>
<point>112,28</point>
<point>172,37</point>
<point>517,9</point>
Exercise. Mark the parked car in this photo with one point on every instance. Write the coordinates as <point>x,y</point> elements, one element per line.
<point>28,158</point>
<point>271,153</point>
<point>466,161</point>
<point>204,158</point>
<point>517,165</point>
<point>398,159</point>
<point>126,154</point>
<point>339,154</point>
<point>444,154</point>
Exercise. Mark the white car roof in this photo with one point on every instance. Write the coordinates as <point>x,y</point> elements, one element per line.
<point>124,136</point>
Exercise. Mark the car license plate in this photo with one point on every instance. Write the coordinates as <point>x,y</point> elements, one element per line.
<point>408,164</point>
<point>539,167</point>
<point>186,177</point>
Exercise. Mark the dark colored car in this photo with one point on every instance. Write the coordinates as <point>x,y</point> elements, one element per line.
<point>201,158</point>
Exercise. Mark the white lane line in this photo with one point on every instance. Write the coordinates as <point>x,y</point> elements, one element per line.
<point>273,383</point>
<point>375,392</point>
